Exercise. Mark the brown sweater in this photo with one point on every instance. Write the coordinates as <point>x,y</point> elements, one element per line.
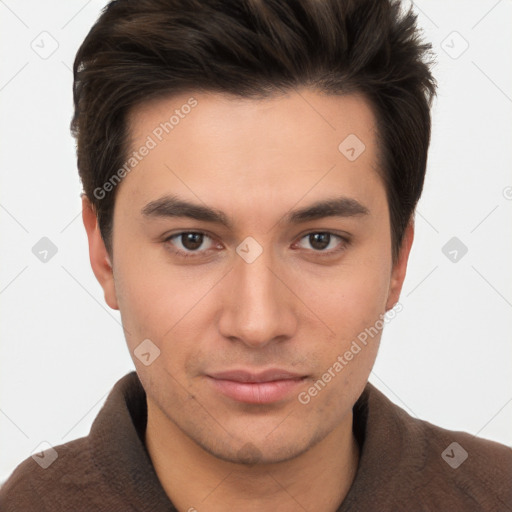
<point>406,465</point>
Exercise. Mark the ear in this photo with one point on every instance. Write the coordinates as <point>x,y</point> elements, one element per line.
<point>400,267</point>
<point>100,260</point>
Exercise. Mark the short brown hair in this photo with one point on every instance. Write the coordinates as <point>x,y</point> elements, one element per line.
<point>141,49</point>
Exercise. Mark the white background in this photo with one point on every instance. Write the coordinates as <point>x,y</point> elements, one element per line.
<point>446,358</point>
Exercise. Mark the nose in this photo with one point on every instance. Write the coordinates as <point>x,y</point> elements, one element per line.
<point>258,307</point>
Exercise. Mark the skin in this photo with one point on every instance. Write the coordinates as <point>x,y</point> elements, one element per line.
<point>295,307</point>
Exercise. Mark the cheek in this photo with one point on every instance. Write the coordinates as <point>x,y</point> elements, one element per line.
<point>366,294</point>
<point>355,314</point>
<point>162,303</point>
<point>351,299</point>
<point>144,296</point>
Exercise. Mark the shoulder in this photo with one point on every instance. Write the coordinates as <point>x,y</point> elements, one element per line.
<point>416,462</point>
<point>455,467</point>
<point>63,477</point>
<point>478,470</point>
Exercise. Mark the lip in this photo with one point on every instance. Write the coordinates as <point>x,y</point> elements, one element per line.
<point>263,387</point>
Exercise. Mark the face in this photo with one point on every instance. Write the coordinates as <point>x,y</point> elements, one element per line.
<point>252,250</point>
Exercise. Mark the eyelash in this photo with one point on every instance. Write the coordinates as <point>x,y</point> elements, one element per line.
<point>344,241</point>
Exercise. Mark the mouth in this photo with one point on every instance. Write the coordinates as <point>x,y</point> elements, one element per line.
<point>263,387</point>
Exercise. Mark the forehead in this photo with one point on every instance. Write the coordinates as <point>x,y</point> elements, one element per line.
<point>222,149</point>
<point>206,117</point>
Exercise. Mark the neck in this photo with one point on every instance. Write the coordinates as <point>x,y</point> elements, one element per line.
<point>318,479</point>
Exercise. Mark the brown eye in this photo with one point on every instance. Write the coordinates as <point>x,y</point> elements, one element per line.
<point>319,241</point>
<point>190,243</point>
<point>322,241</point>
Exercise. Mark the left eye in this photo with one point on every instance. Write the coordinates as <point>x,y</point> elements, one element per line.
<point>189,242</point>
<point>321,241</point>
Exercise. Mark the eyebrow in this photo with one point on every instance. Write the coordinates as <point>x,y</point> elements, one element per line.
<point>172,206</point>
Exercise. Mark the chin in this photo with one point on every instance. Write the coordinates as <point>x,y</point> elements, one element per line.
<point>250,452</point>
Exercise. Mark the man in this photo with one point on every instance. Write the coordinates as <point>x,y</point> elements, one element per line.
<point>250,173</point>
